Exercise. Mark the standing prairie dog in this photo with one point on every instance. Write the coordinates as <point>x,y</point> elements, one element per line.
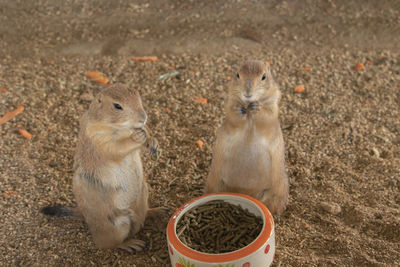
<point>108,183</point>
<point>249,152</point>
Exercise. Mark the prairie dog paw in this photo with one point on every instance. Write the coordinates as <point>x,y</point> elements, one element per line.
<point>254,107</point>
<point>133,245</point>
<point>139,136</point>
<point>241,110</point>
<point>152,146</point>
<point>158,212</point>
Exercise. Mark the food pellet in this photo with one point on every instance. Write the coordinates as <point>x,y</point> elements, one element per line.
<point>218,227</point>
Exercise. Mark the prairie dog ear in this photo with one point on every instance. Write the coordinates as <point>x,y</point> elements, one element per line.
<point>133,91</point>
<point>267,66</point>
<point>269,72</point>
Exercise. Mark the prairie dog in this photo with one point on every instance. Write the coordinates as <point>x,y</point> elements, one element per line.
<point>108,184</point>
<point>248,155</point>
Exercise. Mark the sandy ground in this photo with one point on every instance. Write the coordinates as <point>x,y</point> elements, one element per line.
<point>342,134</point>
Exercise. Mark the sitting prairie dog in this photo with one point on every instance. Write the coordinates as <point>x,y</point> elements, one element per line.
<point>249,152</point>
<point>108,183</point>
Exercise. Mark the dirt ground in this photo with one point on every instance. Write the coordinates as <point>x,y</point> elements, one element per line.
<point>342,134</point>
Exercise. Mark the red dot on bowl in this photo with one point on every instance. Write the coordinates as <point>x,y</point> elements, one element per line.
<point>267,249</point>
<point>246,264</point>
<point>171,251</point>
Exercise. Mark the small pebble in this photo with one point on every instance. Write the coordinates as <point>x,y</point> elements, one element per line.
<point>376,152</point>
<point>331,208</point>
<point>87,97</point>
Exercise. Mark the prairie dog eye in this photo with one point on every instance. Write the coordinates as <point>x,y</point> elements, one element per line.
<point>264,76</point>
<point>237,75</point>
<point>117,106</point>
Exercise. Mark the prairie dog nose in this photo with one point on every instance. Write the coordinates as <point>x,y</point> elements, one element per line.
<point>140,120</point>
<point>247,93</point>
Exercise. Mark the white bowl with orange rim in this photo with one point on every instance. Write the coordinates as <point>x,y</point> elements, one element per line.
<point>259,253</point>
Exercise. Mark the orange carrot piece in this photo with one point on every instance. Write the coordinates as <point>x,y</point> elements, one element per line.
<point>228,78</point>
<point>11,114</point>
<point>166,110</point>
<point>12,192</point>
<point>3,90</point>
<point>5,195</point>
<point>359,67</point>
<point>306,68</point>
<point>201,100</point>
<point>200,144</point>
<point>25,133</point>
<point>142,59</point>
<point>300,88</point>
<point>97,77</point>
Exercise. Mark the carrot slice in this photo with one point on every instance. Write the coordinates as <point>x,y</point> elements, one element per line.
<point>201,100</point>
<point>200,144</point>
<point>300,88</point>
<point>97,77</point>
<point>25,133</point>
<point>142,59</point>
<point>11,114</point>
<point>359,67</point>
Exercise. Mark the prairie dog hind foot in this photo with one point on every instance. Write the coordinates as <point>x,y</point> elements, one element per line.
<point>158,212</point>
<point>133,245</point>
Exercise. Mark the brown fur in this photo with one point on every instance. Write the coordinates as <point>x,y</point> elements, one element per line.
<point>249,151</point>
<point>109,187</point>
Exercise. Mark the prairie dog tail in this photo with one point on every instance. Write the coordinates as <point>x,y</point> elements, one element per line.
<point>60,211</point>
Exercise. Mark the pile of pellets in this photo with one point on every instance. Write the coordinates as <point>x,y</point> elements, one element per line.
<point>218,227</point>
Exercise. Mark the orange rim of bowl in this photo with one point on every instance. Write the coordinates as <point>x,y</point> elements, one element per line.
<point>224,257</point>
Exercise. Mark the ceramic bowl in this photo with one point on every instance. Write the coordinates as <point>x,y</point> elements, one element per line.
<point>259,253</point>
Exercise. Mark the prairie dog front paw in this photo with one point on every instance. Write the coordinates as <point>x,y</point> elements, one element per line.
<point>254,107</point>
<point>240,109</point>
<point>152,145</point>
<point>139,136</point>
